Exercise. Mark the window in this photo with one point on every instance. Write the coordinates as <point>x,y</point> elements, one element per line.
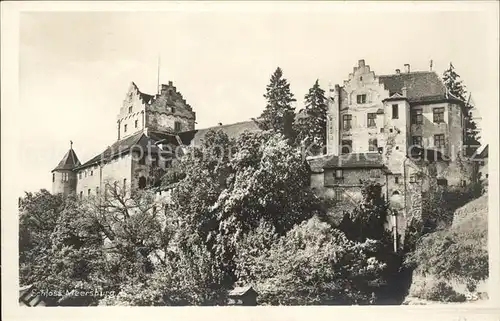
<point>439,140</point>
<point>80,175</point>
<point>177,126</point>
<point>136,123</point>
<point>396,179</point>
<point>464,183</point>
<point>91,173</point>
<point>88,192</point>
<point>374,173</point>
<point>346,146</point>
<point>130,109</point>
<point>417,117</point>
<point>53,177</point>
<point>142,160</point>
<point>142,182</point>
<point>81,194</point>
<point>361,99</point>
<point>382,130</point>
<point>395,111</point>
<point>442,182</point>
<point>339,174</point>
<point>346,122</point>
<point>338,195</point>
<point>371,119</point>
<point>417,140</point>
<point>85,173</point>
<point>125,128</point>
<point>124,185</point>
<point>97,190</point>
<point>372,144</point>
<point>438,114</point>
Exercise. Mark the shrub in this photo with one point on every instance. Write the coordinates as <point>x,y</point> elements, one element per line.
<point>312,264</point>
<point>443,292</point>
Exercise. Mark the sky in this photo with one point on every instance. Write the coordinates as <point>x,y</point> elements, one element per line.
<point>75,67</point>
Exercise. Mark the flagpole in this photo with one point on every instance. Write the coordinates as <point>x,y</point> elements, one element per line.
<point>158,77</point>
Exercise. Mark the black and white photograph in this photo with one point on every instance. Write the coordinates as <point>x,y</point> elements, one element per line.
<point>269,154</point>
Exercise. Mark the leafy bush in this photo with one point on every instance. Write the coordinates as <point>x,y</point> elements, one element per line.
<point>458,252</point>
<point>436,291</point>
<point>312,264</point>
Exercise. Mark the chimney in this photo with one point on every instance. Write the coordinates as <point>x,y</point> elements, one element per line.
<point>398,71</point>
<point>361,63</point>
<point>220,124</point>
<point>163,89</point>
<point>170,83</point>
<point>407,68</point>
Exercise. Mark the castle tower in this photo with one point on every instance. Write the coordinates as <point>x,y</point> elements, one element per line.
<point>63,176</point>
<point>166,111</point>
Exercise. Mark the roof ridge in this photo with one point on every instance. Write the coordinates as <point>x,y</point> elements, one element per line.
<point>226,125</point>
<point>409,73</point>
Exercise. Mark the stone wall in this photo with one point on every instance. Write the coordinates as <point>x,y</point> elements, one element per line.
<point>168,108</point>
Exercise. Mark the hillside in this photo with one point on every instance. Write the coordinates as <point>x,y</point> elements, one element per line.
<point>451,265</point>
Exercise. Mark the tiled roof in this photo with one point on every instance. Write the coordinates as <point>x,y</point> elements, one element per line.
<point>420,86</point>
<point>355,160</point>
<point>316,163</point>
<point>122,147</point>
<point>195,137</point>
<point>69,161</point>
<point>483,153</point>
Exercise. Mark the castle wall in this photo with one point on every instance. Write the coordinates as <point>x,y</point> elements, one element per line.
<point>167,108</point>
<point>63,182</point>
<point>92,178</point>
<point>130,119</point>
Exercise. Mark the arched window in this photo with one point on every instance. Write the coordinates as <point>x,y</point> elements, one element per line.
<point>142,182</point>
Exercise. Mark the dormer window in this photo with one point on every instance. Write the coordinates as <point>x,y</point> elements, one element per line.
<point>361,99</point>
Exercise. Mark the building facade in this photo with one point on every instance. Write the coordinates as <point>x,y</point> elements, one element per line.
<point>152,131</point>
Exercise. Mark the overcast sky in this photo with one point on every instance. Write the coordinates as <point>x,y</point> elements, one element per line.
<point>75,68</point>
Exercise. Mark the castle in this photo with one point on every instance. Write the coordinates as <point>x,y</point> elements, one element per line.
<point>380,127</point>
<point>148,126</point>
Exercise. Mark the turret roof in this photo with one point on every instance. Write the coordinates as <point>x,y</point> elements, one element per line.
<point>69,161</point>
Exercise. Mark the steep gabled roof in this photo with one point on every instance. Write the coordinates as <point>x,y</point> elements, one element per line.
<point>356,160</point>
<point>195,137</point>
<point>124,146</point>
<point>421,86</point>
<point>69,161</point>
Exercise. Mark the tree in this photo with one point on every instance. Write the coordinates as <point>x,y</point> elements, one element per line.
<point>279,113</point>
<point>38,216</point>
<point>456,87</point>
<point>310,125</point>
<point>224,197</point>
<point>311,264</point>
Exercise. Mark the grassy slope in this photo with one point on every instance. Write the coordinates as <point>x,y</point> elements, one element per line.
<point>469,231</point>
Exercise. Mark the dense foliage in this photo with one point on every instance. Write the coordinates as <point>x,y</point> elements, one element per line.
<point>312,264</point>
